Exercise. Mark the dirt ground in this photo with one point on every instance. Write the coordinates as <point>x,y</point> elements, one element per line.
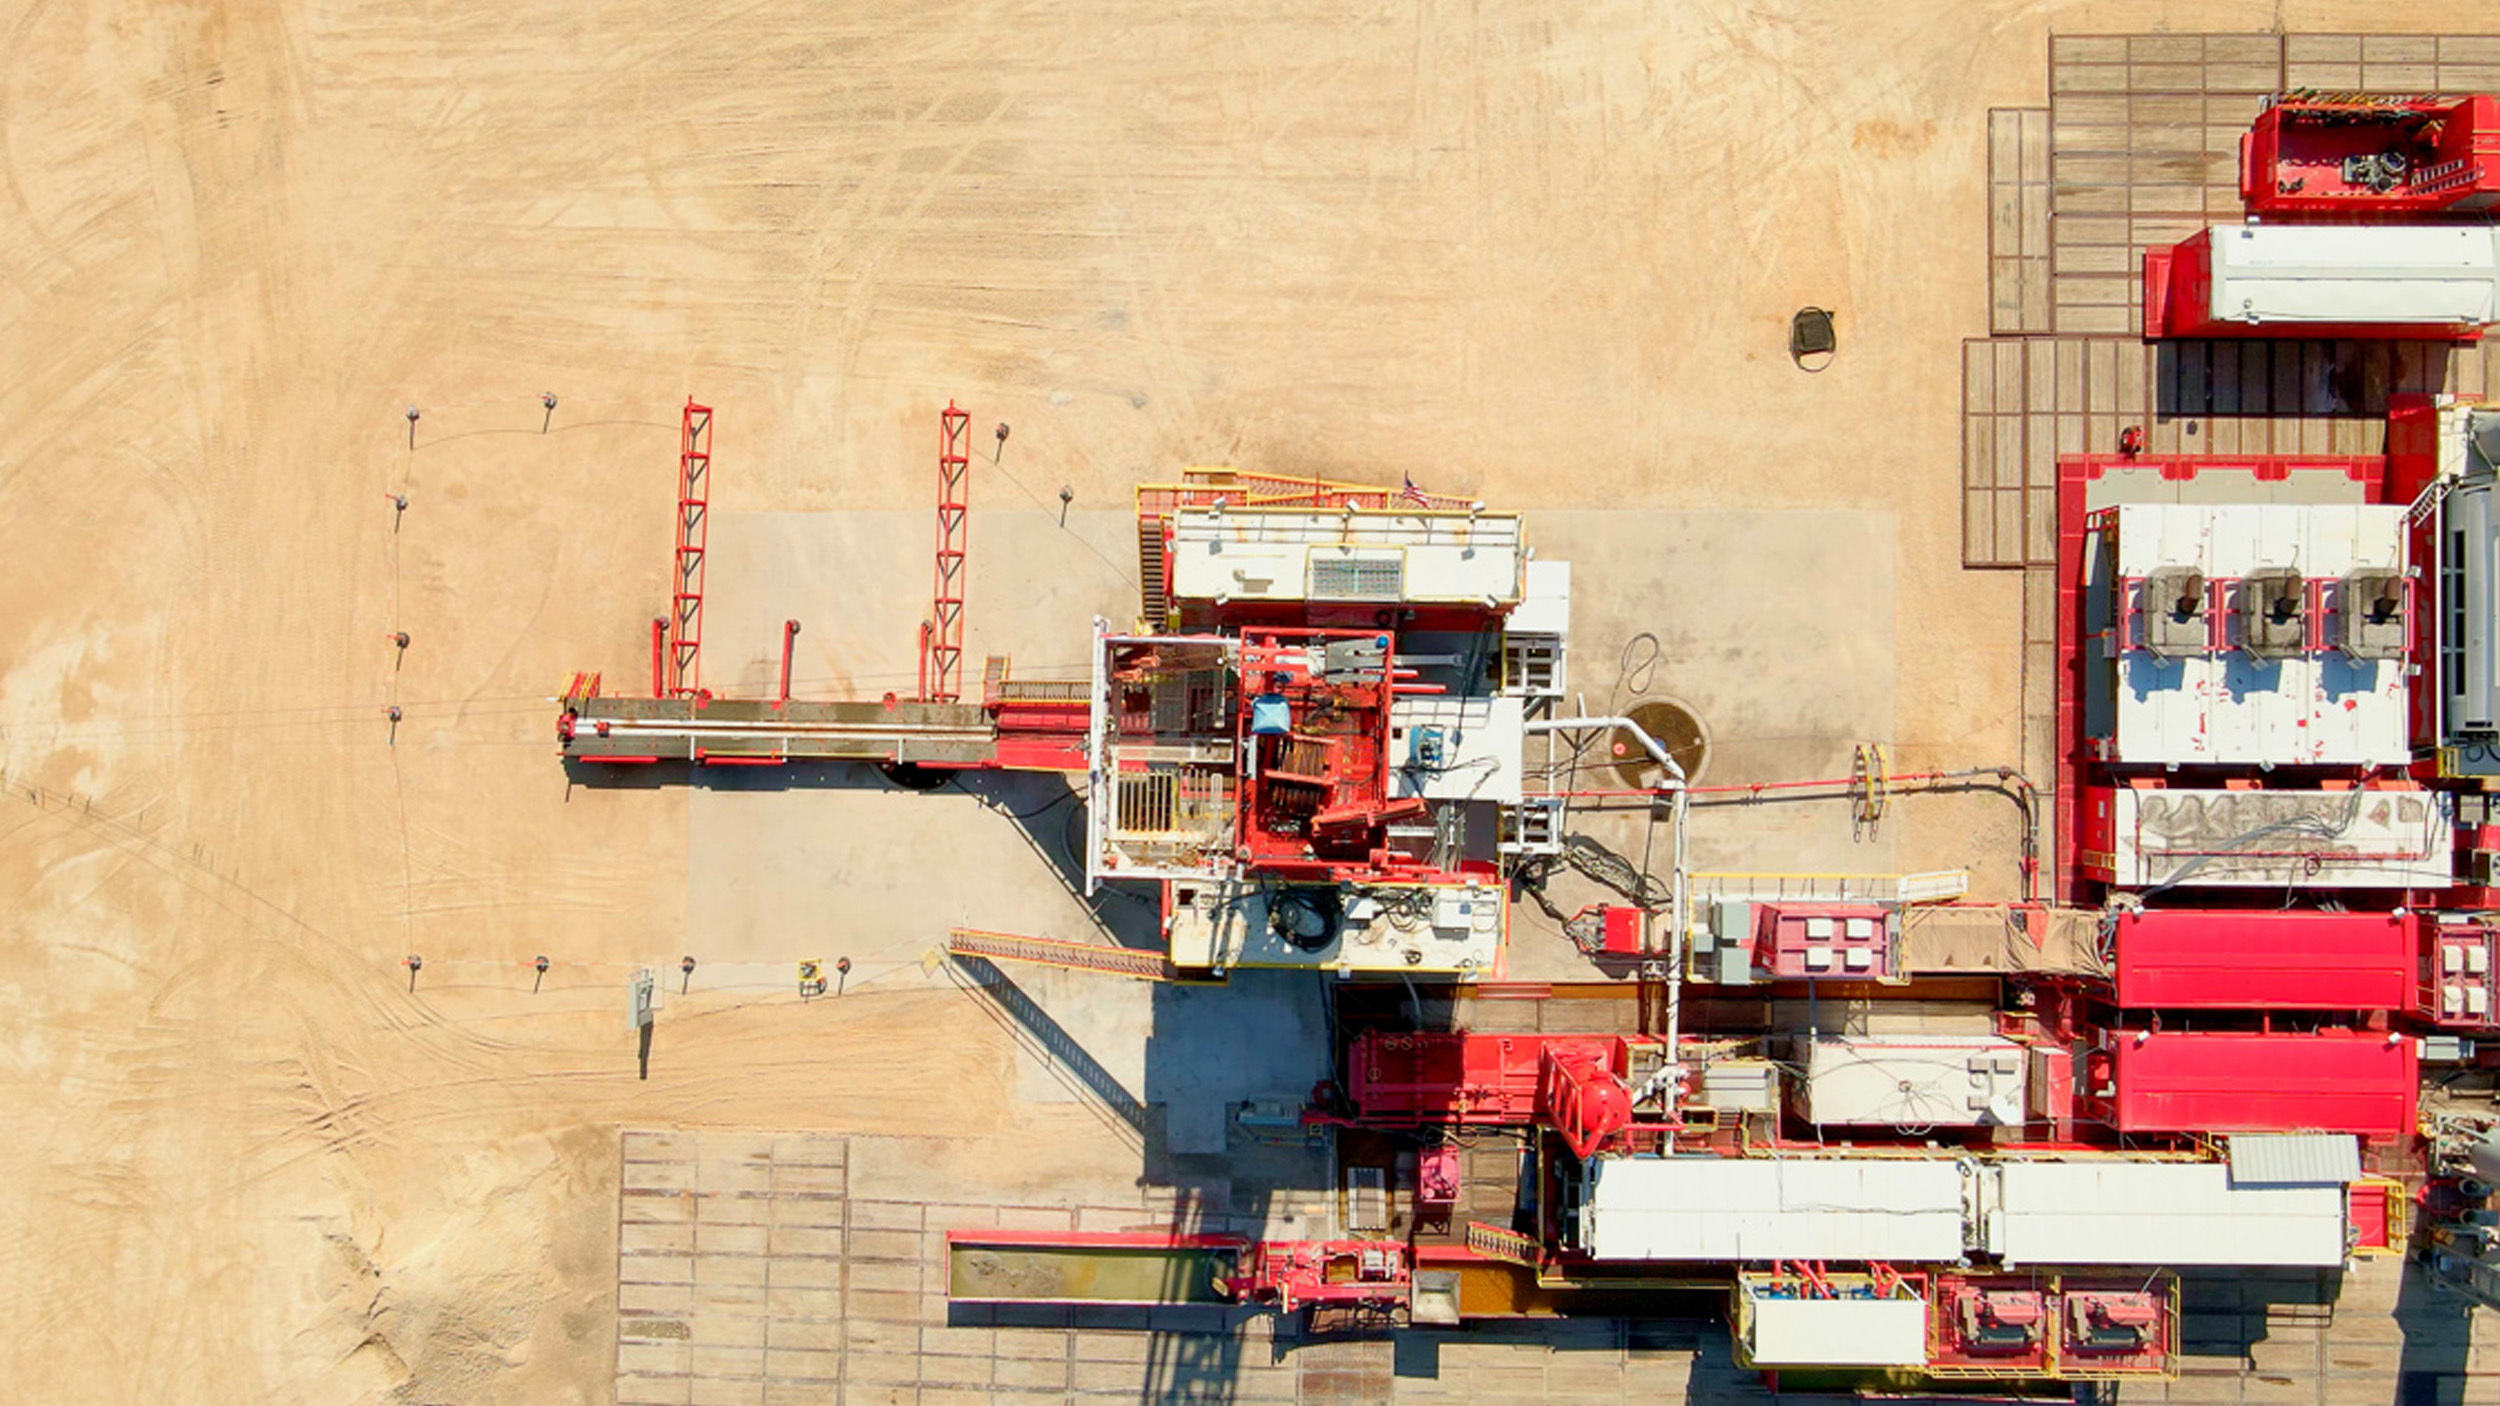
<point>1541,254</point>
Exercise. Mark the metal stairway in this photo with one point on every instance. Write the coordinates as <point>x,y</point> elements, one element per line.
<point>1153,587</point>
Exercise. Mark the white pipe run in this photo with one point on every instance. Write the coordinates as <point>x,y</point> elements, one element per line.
<point>1649,744</point>
<point>1676,783</point>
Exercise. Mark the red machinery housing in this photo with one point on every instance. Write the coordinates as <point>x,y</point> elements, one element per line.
<point>2018,1326</point>
<point>1575,1084</point>
<point>2361,157</point>
<point>2339,1081</point>
<point>1315,724</point>
<point>2106,1327</point>
<point>2263,959</point>
<point>1287,1275</point>
<point>1851,941</point>
<point>1991,1325</point>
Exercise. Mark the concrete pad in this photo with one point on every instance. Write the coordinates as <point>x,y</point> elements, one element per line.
<point>1775,626</point>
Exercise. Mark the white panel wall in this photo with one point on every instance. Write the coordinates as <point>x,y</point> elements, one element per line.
<point>2176,1215</point>
<point>1752,1209</point>
<point>1837,1333</point>
<point>2443,274</point>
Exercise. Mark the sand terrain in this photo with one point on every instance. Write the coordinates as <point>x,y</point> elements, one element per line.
<point>1544,255</point>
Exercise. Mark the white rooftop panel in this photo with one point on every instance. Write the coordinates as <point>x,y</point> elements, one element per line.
<point>2178,1214</point>
<point>2271,838</point>
<point>2439,274</point>
<point>1923,1081</point>
<point>1761,1208</point>
<point>1355,558</point>
<point>1837,1333</point>
<point>1545,608</point>
<point>2318,707</point>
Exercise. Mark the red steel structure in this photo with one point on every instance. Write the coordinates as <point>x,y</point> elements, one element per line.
<point>2337,1081</point>
<point>2263,959</point>
<point>2361,156</point>
<point>694,522</point>
<point>942,634</point>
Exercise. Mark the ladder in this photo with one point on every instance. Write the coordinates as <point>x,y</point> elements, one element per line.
<point>1055,952</point>
<point>1870,787</point>
<point>2427,501</point>
<point>1153,586</point>
<point>1494,1243</point>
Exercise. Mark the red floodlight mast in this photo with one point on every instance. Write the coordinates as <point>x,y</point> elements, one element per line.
<point>694,522</point>
<point>942,634</point>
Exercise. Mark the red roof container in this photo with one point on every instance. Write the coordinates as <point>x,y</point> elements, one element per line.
<point>2370,157</point>
<point>2346,1081</point>
<point>2233,960</point>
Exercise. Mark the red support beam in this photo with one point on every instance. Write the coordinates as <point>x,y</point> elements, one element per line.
<point>942,634</point>
<point>694,522</point>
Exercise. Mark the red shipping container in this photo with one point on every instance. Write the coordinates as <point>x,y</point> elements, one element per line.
<point>2347,1081</point>
<point>2199,959</point>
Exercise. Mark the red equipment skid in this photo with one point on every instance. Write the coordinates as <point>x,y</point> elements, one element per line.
<point>1402,1080</point>
<point>1574,1084</point>
<point>1289,1274</point>
<point>2050,1326</point>
<point>2114,1326</point>
<point>2372,157</point>
<point>1990,1325</point>
<point>2178,303</point>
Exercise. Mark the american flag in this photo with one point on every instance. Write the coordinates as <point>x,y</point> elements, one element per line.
<point>1411,494</point>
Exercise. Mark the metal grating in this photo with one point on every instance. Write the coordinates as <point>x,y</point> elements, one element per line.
<point>2144,147</point>
<point>2027,401</point>
<point>1367,1200</point>
<point>2024,403</point>
<point>1365,578</point>
<point>2294,1159</point>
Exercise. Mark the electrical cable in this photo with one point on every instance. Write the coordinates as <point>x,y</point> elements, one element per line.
<point>1594,861</point>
